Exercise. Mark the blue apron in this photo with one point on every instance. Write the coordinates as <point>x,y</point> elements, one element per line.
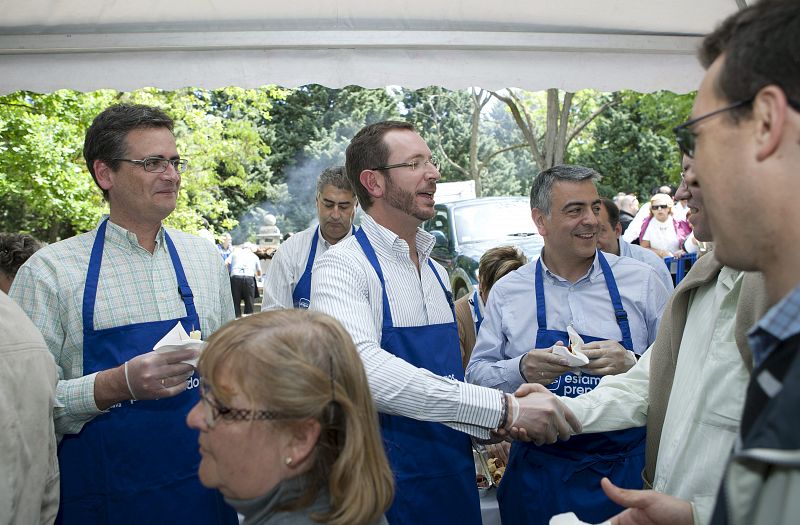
<point>301,295</point>
<point>432,463</point>
<point>477,310</point>
<point>540,482</point>
<point>138,462</point>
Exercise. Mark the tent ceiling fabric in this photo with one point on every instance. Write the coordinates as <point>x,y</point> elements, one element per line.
<point>532,44</point>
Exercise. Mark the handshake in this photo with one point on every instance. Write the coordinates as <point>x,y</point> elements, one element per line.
<point>535,414</point>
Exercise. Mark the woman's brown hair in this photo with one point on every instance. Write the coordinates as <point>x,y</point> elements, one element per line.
<point>304,365</point>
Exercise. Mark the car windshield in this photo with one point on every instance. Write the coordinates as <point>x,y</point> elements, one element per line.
<point>493,220</point>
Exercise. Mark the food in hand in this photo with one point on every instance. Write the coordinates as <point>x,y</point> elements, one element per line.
<point>195,334</point>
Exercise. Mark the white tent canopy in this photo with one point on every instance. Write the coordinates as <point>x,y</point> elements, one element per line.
<point>608,45</point>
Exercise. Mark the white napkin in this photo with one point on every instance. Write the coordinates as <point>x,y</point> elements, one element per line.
<point>178,339</point>
<point>576,358</point>
<point>569,518</point>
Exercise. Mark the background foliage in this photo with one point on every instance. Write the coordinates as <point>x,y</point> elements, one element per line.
<point>259,151</point>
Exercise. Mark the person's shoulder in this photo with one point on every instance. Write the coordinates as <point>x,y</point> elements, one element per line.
<point>192,241</point>
<point>628,265</point>
<point>68,252</point>
<point>17,330</point>
<point>646,255</point>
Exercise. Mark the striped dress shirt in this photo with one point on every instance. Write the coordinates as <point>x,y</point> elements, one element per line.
<point>287,267</point>
<point>345,286</point>
<point>135,286</point>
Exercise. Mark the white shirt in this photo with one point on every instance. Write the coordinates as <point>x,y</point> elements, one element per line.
<point>509,329</point>
<point>635,227</point>
<point>244,262</point>
<point>345,286</point>
<point>662,235</point>
<point>705,404</point>
<point>650,258</point>
<point>287,267</point>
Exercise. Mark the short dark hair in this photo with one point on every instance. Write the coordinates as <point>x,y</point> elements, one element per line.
<point>15,249</point>
<point>761,44</point>
<point>336,177</point>
<point>542,187</point>
<point>367,150</point>
<point>612,210</point>
<point>105,138</point>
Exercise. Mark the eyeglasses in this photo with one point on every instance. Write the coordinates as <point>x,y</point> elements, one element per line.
<point>414,164</point>
<point>159,164</point>
<point>686,137</point>
<point>659,207</point>
<point>213,410</point>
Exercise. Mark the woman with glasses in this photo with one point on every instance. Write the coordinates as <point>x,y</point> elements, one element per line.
<point>661,232</point>
<point>288,429</point>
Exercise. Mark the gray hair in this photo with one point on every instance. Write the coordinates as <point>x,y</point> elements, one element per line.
<point>336,177</point>
<point>15,249</point>
<point>542,187</point>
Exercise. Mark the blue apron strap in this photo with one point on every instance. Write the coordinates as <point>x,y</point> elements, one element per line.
<point>92,276</point>
<point>616,302</point>
<point>312,254</point>
<point>447,293</point>
<point>362,239</point>
<point>476,307</point>
<point>353,228</point>
<point>541,313</point>
<point>183,284</point>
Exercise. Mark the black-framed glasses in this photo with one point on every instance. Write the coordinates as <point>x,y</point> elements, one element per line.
<point>414,164</point>
<point>686,137</point>
<point>214,410</point>
<point>159,164</point>
<point>659,207</point>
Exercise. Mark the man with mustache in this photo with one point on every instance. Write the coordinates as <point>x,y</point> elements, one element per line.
<point>102,300</point>
<point>396,304</point>
<point>614,303</point>
<point>689,387</point>
<point>287,283</point>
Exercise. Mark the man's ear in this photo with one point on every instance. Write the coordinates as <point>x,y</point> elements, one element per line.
<point>539,220</point>
<point>102,173</point>
<point>618,230</point>
<point>374,182</point>
<point>769,115</point>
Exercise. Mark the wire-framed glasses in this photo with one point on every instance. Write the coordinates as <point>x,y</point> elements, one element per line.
<point>159,164</point>
<point>413,164</point>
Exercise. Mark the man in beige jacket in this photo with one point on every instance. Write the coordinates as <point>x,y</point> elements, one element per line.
<point>28,465</point>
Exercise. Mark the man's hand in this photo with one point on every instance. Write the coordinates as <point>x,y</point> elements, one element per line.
<point>543,366</point>
<point>647,507</point>
<point>158,375</point>
<point>542,417</point>
<point>607,358</point>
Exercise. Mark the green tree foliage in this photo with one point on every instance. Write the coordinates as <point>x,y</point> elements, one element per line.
<point>632,145</point>
<point>311,129</point>
<point>45,188</point>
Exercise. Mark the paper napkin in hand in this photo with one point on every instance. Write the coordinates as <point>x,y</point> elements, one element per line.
<point>178,339</point>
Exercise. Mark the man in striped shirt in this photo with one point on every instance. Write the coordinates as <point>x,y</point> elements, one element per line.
<point>396,304</point>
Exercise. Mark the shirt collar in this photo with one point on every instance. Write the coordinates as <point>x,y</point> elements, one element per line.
<point>591,274</point>
<point>326,244</point>
<point>780,323</point>
<point>122,238</point>
<point>385,240</point>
